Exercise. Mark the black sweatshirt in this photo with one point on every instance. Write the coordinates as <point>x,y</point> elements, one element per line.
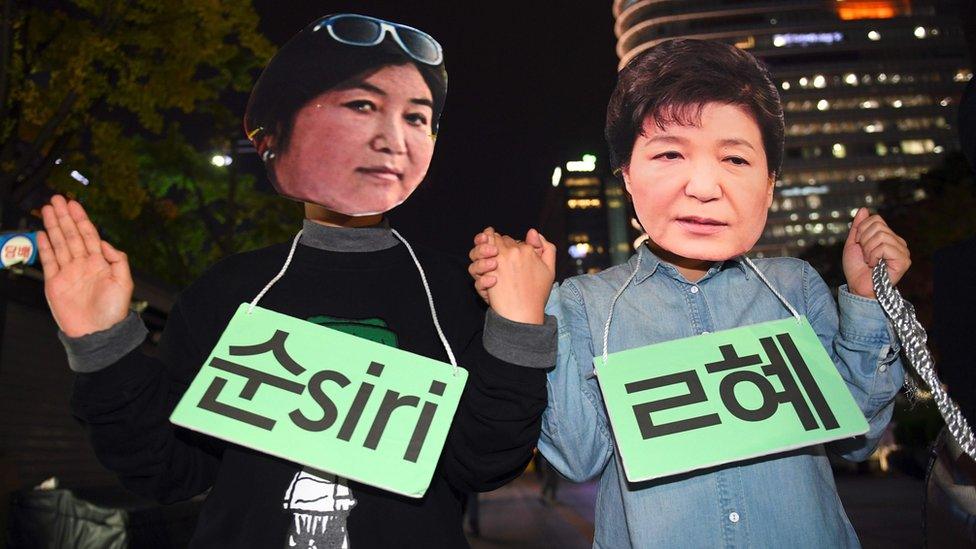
<point>257,500</point>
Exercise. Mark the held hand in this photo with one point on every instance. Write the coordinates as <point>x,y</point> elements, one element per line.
<point>483,262</point>
<point>524,276</point>
<point>86,281</point>
<point>870,241</point>
<point>484,253</point>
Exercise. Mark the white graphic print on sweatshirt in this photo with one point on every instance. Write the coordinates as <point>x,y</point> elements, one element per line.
<point>321,503</point>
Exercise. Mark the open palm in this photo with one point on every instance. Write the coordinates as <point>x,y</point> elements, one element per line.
<point>87,282</point>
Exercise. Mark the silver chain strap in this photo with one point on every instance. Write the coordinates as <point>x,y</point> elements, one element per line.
<point>913,341</point>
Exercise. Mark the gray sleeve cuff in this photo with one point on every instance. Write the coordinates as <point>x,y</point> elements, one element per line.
<point>98,350</point>
<point>528,345</point>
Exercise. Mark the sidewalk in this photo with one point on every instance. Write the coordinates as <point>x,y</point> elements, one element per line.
<point>515,517</point>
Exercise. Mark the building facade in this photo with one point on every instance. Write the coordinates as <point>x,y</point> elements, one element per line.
<point>587,215</point>
<point>869,88</point>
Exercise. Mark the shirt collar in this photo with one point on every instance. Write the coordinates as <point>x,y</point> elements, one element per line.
<point>348,239</point>
<point>651,263</point>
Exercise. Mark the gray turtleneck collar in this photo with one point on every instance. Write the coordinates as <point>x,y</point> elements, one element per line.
<point>345,239</point>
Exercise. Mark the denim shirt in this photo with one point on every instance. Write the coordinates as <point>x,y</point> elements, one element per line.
<point>784,500</point>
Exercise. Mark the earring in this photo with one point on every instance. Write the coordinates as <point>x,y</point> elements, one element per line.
<point>267,155</point>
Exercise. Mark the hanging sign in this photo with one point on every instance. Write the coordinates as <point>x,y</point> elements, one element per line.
<point>722,397</point>
<point>325,399</point>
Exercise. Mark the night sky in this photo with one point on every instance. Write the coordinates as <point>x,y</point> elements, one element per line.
<point>528,88</point>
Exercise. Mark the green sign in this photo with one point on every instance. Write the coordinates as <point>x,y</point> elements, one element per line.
<point>722,397</point>
<point>326,399</point>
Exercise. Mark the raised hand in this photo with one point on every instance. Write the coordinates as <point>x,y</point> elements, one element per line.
<point>87,282</point>
<point>513,276</point>
<point>869,241</point>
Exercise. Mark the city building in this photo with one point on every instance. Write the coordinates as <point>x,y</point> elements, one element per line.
<point>587,216</point>
<point>870,90</point>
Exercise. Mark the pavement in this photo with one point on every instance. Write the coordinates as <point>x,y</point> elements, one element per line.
<point>886,511</point>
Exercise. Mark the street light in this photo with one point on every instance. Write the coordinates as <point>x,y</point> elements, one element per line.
<point>221,160</point>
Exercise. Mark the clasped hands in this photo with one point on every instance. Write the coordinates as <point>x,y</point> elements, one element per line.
<point>512,276</point>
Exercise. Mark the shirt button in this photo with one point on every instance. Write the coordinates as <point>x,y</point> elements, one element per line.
<point>883,368</point>
<point>704,332</point>
<point>733,516</point>
<point>694,289</point>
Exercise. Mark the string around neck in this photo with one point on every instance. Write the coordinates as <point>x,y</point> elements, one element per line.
<point>606,327</point>
<point>769,285</point>
<point>640,252</point>
<point>281,273</point>
<point>423,279</point>
<point>430,301</point>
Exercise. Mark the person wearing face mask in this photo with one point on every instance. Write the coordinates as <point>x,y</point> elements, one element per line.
<point>696,129</point>
<point>344,117</point>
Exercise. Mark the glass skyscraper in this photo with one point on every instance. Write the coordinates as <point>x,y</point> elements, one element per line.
<point>870,90</point>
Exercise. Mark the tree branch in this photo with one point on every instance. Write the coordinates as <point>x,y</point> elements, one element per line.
<point>213,226</point>
<point>8,180</point>
<point>37,178</point>
<point>6,52</point>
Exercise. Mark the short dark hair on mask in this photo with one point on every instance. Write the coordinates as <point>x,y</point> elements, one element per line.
<point>312,63</point>
<point>674,80</point>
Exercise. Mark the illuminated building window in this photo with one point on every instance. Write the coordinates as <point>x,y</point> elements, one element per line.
<point>854,10</point>
<point>838,150</point>
<point>580,250</point>
<point>583,192</point>
<point>867,126</point>
<point>917,146</point>
<point>747,43</point>
<point>814,201</point>
<point>805,39</point>
<point>874,36</point>
<point>916,100</point>
<point>582,181</point>
<point>583,203</point>
<point>963,75</point>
